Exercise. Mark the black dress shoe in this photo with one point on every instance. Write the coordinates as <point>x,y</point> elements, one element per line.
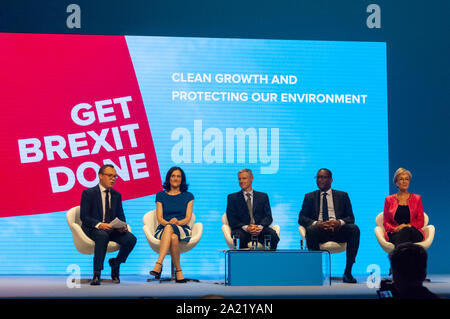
<point>115,268</point>
<point>96,279</point>
<point>348,278</point>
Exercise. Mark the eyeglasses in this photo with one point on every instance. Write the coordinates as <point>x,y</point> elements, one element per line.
<point>111,176</point>
<point>322,177</point>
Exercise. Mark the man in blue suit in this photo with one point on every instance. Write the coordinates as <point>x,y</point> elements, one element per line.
<point>249,213</point>
<point>99,206</point>
<point>327,215</point>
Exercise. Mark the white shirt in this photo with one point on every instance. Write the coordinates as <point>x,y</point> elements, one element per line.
<point>103,195</point>
<point>330,203</point>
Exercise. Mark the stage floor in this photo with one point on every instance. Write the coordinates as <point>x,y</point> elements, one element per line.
<point>137,287</point>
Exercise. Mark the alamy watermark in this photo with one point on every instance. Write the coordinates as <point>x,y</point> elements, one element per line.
<point>74,279</point>
<point>374,279</point>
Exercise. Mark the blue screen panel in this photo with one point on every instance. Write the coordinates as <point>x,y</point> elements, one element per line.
<point>283,108</point>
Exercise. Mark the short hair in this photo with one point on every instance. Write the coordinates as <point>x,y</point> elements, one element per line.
<point>400,171</point>
<point>246,170</point>
<point>327,170</point>
<point>409,261</point>
<point>183,185</point>
<point>102,169</point>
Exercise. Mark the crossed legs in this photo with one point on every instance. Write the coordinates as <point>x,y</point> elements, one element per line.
<point>169,243</point>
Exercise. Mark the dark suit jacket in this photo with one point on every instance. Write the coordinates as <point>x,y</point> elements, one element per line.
<point>311,207</point>
<point>91,210</point>
<point>237,210</point>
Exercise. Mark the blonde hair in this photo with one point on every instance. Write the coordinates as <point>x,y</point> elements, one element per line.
<point>399,172</point>
<point>246,170</point>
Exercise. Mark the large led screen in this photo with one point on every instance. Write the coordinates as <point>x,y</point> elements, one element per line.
<point>283,108</point>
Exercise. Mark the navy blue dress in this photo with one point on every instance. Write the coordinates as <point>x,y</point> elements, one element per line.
<point>174,206</point>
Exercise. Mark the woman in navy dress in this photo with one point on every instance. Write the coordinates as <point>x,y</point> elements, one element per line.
<point>174,211</point>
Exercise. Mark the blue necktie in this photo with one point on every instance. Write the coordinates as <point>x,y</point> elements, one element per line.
<point>324,207</point>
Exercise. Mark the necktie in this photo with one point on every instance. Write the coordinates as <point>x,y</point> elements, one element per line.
<point>250,207</point>
<point>107,207</point>
<point>324,207</point>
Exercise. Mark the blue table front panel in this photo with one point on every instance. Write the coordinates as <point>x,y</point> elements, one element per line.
<point>274,268</point>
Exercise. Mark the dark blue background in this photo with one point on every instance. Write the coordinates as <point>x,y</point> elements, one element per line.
<point>417,33</point>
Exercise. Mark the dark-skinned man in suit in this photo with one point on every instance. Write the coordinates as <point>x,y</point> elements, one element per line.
<point>327,215</point>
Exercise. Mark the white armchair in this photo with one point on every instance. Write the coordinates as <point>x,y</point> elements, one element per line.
<point>226,229</point>
<point>428,230</point>
<point>151,223</point>
<point>82,242</point>
<point>330,246</point>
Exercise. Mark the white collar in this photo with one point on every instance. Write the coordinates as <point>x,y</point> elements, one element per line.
<point>244,192</point>
<point>102,189</point>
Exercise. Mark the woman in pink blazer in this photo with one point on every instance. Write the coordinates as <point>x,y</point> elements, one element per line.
<point>403,212</point>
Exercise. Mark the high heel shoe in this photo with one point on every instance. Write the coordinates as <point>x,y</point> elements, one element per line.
<point>179,281</point>
<point>155,273</point>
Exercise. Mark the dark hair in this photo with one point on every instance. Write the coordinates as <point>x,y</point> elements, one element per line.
<point>327,170</point>
<point>409,261</point>
<point>102,169</point>
<point>183,185</point>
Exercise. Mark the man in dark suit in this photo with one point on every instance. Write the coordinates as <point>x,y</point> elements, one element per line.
<point>249,213</point>
<point>327,215</point>
<point>99,206</point>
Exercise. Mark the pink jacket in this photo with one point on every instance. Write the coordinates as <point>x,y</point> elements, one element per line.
<point>415,208</point>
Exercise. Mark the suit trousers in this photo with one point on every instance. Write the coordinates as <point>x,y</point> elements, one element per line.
<point>101,237</point>
<point>347,233</point>
<point>246,237</point>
